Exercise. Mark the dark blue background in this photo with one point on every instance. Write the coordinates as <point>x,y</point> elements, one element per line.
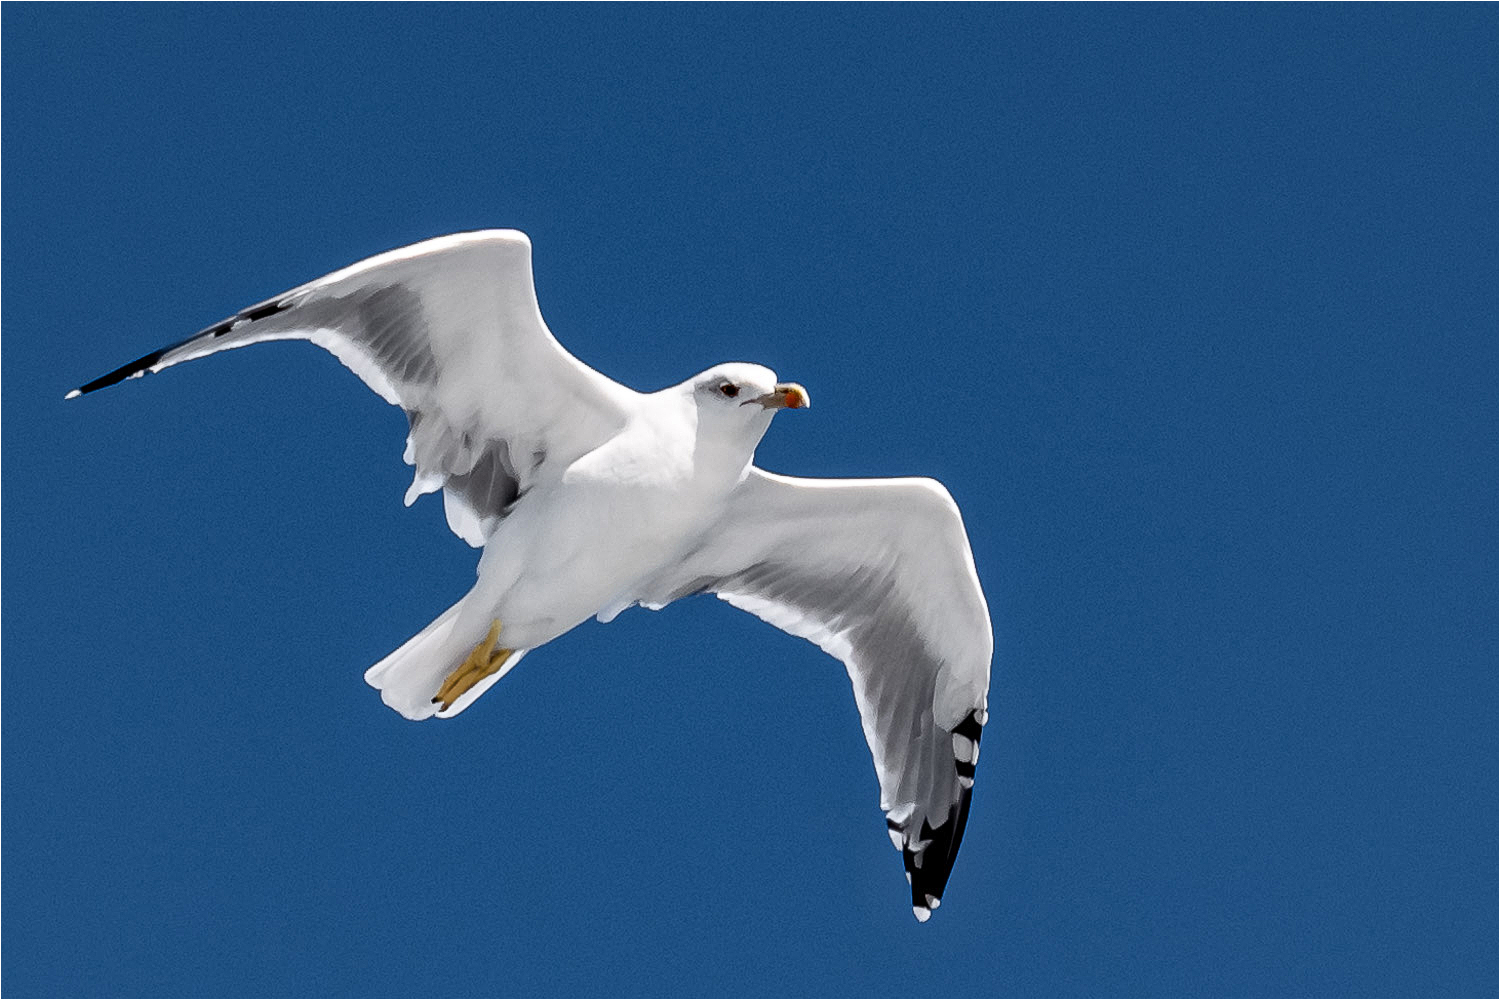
<point>1192,308</point>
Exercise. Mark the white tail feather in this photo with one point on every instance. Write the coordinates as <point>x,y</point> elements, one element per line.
<point>409,677</point>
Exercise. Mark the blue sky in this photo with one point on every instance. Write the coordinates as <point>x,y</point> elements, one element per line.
<point>1191,308</point>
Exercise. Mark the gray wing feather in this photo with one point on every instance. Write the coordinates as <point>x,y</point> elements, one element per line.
<point>878,574</point>
<point>449,330</point>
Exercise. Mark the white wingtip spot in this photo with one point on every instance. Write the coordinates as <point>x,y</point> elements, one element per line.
<point>933,902</point>
<point>923,914</point>
<point>74,394</point>
<point>982,716</point>
<point>963,747</point>
<point>965,782</point>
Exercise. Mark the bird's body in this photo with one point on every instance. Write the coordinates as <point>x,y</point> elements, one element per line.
<point>602,533</point>
<point>612,519</point>
<point>589,498</point>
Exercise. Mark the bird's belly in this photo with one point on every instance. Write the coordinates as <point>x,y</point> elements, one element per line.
<point>560,563</point>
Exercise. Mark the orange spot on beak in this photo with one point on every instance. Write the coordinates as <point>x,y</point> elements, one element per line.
<point>790,396</point>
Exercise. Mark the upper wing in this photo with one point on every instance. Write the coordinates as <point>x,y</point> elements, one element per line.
<point>449,330</point>
<point>879,574</point>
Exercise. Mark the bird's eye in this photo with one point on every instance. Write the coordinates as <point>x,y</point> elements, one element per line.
<point>729,390</point>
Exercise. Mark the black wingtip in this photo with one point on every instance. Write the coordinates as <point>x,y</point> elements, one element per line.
<point>929,868</point>
<point>142,365</point>
<point>137,367</point>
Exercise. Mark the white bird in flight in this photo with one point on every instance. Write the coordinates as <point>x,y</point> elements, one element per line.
<point>589,498</point>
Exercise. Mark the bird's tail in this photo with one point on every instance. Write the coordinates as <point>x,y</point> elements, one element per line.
<point>408,678</point>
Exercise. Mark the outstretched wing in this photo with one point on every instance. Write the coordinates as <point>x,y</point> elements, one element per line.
<point>878,573</point>
<point>449,330</point>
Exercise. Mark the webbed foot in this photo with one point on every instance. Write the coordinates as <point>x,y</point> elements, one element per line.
<point>483,660</point>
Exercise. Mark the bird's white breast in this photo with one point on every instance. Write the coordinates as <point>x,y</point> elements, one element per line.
<point>583,544</point>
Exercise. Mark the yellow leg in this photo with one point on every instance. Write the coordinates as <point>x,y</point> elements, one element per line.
<point>482,661</point>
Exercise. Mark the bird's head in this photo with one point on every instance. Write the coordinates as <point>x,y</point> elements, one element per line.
<point>734,404</point>
<point>744,392</point>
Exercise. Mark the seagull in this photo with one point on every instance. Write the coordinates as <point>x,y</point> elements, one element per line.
<point>589,498</point>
